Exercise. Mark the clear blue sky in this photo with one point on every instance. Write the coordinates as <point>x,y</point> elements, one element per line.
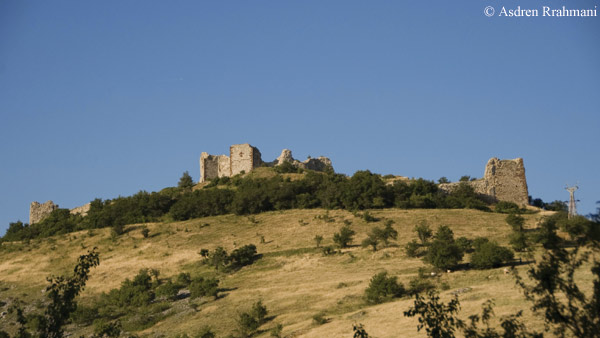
<point>106,98</point>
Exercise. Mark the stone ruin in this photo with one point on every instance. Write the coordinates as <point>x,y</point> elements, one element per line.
<point>245,158</point>
<point>503,180</point>
<point>39,211</point>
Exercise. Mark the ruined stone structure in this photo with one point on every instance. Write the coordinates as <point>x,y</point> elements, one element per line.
<point>319,164</point>
<point>503,180</point>
<point>245,158</point>
<point>82,210</point>
<point>39,211</point>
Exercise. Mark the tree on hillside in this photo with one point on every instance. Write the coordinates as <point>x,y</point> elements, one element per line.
<point>443,252</point>
<point>61,293</point>
<point>185,182</point>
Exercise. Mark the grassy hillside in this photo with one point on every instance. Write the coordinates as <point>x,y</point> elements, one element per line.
<point>293,278</point>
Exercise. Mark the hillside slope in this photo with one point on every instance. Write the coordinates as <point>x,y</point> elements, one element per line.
<point>293,278</point>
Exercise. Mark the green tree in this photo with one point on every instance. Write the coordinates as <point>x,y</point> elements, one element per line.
<point>383,287</point>
<point>489,255</point>
<point>61,294</point>
<point>423,232</point>
<point>344,237</point>
<point>443,252</point>
<point>185,182</point>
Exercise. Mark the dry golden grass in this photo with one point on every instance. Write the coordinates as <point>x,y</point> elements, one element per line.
<point>293,279</point>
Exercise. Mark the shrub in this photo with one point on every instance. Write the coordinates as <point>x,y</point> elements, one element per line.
<point>248,322</point>
<point>420,284</point>
<point>318,239</point>
<point>505,207</point>
<point>423,232</point>
<point>259,311</point>
<point>276,331</point>
<point>183,279</point>
<point>367,217</point>
<point>200,287</point>
<point>320,319</point>
<point>247,325</point>
<point>465,244</point>
<point>145,232</point>
<point>412,248</point>
<point>382,288</point>
<point>344,237</point>
<point>371,240</point>
<point>242,256</point>
<point>443,254</point>
<point>489,255</point>
<point>328,251</point>
<point>167,290</point>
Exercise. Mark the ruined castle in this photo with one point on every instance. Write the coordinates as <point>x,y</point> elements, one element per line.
<point>503,180</point>
<point>243,158</point>
<point>39,211</point>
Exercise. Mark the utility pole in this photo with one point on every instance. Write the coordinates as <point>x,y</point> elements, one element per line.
<point>572,207</point>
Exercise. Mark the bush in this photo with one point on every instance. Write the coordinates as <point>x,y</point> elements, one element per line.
<point>382,288</point>
<point>318,239</point>
<point>145,232</point>
<point>320,319</point>
<point>201,287</point>
<point>371,240</point>
<point>489,255</point>
<point>412,248</point>
<point>344,237</point>
<point>420,284</point>
<point>249,322</point>
<point>505,207</point>
<point>423,232</point>
<point>443,252</point>
<point>465,244</point>
<point>183,279</point>
<point>242,256</point>
<point>259,311</point>
<point>167,290</point>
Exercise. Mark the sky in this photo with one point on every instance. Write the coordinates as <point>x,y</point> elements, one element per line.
<point>100,99</point>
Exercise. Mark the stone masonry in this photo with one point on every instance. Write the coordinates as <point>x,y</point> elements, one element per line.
<point>318,164</point>
<point>503,180</point>
<point>39,211</point>
<point>245,158</point>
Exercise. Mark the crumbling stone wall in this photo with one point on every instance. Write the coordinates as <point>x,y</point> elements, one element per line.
<point>39,211</point>
<point>82,210</point>
<point>503,180</point>
<point>506,180</point>
<point>319,164</point>
<point>243,157</point>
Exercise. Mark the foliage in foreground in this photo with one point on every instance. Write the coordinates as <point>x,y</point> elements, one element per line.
<point>61,293</point>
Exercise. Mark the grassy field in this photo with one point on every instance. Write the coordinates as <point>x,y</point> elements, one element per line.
<point>293,278</point>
